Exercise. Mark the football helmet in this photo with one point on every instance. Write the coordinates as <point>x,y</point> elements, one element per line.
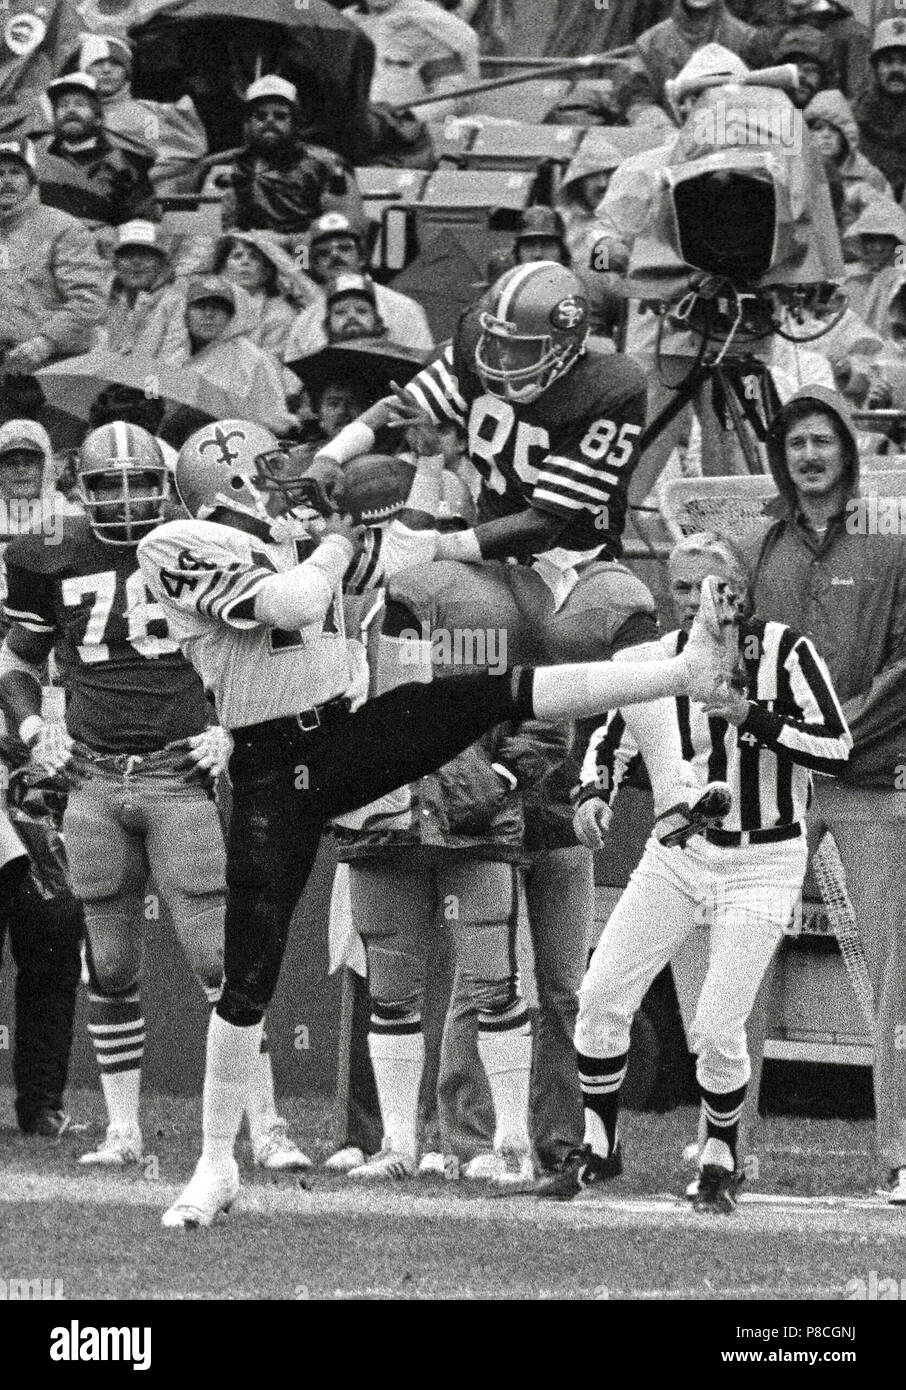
<point>534,329</point>
<point>130,460</point>
<point>238,465</point>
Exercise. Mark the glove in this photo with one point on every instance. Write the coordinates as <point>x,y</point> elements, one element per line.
<point>57,753</point>
<point>359,675</point>
<point>206,754</point>
<point>591,821</point>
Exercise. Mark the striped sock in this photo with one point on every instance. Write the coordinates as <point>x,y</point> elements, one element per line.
<point>601,1079</point>
<point>397,1050</point>
<point>722,1111</point>
<point>505,1048</point>
<point>117,1031</point>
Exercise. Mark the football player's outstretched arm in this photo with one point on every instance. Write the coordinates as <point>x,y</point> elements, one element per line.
<point>21,658</point>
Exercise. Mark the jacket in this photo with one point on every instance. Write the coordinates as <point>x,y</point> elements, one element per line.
<point>870,291</point>
<point>153,323</point>
<point>251,376</point>
<point>846,590</point>
<point>268,320</point>
<point>665,49</point>
<point>172,129</point>
<point>105,185</point>
<point>285,197</point>
<point>51,278</point>
<point>882,127</point>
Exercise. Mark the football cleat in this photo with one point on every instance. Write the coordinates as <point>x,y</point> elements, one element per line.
<point>273,1149</point>
<point>675,826</point>
<point>47,1123</point>
<point>120,1147</point>
<point>207,1195</point>
<point>345,1159</point>
<point>386,1166</point>
<point>510,1165</point>
<point>711,654</point>
<point>717,1180</point>
<point>579,1169</point>
<point>896,1192</point>
<point>432,1165</point>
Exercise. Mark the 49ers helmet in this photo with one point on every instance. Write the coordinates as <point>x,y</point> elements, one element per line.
<point>533,330</point>
<point>235,464</point>
<point>125,457</point>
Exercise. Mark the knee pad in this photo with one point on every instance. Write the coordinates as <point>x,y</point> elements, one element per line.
<point>600,1029</point>
<point>113,945</point>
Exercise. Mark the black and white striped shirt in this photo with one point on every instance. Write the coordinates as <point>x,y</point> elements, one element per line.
<point>795,727</point>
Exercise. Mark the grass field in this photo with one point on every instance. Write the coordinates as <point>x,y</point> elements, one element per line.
<point>809,1225</point>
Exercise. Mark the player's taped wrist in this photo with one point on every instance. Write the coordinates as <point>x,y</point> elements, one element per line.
<point>459,545</point>
<point>354,439</point>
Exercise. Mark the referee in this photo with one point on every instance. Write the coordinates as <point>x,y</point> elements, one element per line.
<point>778,723</point>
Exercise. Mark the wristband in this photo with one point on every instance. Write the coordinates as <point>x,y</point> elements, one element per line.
<point>353,439</point>
<point>30,727</point>
<point>459,545</point>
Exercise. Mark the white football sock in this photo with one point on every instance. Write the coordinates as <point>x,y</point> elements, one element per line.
<point>655,728</point>
<point>592,687</point>
<point>117,1031</point>
<point>398,1060</point>
<point>232,1059</point>
<point>261,1106</point>
<point>507,1060</point>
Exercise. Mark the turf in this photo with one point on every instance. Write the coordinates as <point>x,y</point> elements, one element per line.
<point>99,1233</point>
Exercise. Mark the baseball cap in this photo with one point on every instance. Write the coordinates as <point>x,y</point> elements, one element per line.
<point>271,86</point>
<point>211,287</point>
<point>890,33</point>
<point>139,233</point>
<point>332,224</point>
<point>96,47</point>
<point>540,221</point>
<point>351,283</point>
<point>23,150</point>
<point>24,434</point>
<point>73,82</point>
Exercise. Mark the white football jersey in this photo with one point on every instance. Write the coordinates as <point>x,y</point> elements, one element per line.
<point>205,577</point>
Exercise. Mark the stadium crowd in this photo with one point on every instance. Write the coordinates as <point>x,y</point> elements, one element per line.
<point>207,255</point>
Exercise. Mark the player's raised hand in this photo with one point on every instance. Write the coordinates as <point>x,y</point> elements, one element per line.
<point>405,413</point>
<point>591,822</point>
<point>205,755</point>
<point>56,753</point>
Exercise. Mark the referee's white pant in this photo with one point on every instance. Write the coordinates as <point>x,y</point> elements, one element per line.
<point>744,895</point>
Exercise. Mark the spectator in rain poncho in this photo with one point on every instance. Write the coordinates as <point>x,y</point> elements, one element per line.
<point>275,288</point>
<point>847,41</point>
<point>830,118</point>
<point>880,110</point>
<point>879,236</point>
<point>144,307</point>
<point>664,50</point>
<point>172,130</point>
<point>420,48</point>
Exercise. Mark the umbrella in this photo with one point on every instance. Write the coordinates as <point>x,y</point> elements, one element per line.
<point>370,361</point>
<point>214,49</point>
<point>74,383</point>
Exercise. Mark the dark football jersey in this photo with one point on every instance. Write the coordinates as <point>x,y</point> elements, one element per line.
<point>129,688</point>
<point>570,452</point>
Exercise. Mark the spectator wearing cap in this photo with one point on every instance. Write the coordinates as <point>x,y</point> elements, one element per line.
<point>813,54</point>
<point>80,168</point>
<point>275,288</point>
<point>51,277</point>
<point>275,182</point>
<point>583,189</point>
<point>846,42</point>
<point>663,51</point>
<point>881,108</point>
<point>173,130</point>
<point>352,311</point>
<point>144,307</point>
<point>220,352</point>
<point>420,49</point>
<point>334,244</point>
